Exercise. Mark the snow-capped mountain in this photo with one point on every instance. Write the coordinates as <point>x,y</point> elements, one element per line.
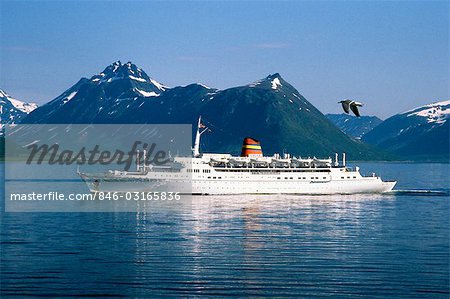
<point>419,132</point>
<point>435,113</point>
<point>354,126</point>
<point>13,110</point>
<point>103,98</point>
<point>269,109</point>
<point>141,83</point>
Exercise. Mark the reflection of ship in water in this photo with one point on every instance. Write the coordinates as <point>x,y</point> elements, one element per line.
<point>254,236</point>
<point>252,227</point>
<point>250,173</point>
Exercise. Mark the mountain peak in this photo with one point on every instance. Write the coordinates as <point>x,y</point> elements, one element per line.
<point>119,71</point>
<point>420,133</point>
<point>273,81</point>
<point>20,105</point>
<point>12,110</point>
<point>274,76</point>
<point>354,126</point>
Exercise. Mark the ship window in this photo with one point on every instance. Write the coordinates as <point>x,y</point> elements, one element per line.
<point>291,178</point>
<point>324,177</point>
<point>354,177</point>
<point>348,177</point>
<point>342,177</point>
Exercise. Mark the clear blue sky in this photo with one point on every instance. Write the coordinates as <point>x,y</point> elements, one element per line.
<point>391,55</point>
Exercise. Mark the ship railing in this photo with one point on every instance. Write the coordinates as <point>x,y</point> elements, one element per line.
<point>350,169</point>
<point>267,165</point>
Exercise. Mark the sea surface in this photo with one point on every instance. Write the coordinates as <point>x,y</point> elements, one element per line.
<point>387,246</point>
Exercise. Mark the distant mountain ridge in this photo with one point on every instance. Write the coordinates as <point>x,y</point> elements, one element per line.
<point>354,126</point>
<point>269,109</point>
<point>13,110</point>
<point>420,133</point>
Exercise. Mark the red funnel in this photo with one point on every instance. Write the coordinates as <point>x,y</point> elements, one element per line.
<point>251,146</point>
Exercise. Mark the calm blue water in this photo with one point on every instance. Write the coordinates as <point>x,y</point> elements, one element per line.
<point>389,246</point>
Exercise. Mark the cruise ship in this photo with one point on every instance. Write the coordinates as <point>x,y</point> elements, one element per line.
<point>249,173</point>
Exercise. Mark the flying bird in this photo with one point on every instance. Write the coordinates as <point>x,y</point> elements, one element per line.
<point>353,105</point>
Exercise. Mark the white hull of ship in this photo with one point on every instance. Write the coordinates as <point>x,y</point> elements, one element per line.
<point>288,186</point>
<point>302,188</point>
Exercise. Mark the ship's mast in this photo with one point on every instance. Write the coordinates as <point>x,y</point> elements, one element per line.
<point>196,148</point>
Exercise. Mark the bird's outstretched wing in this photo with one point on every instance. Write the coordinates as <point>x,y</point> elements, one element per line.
<point>355,109</point>
<point>346,107</point>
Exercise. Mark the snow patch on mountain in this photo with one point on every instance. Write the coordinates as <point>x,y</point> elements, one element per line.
<point>22,106</point>
<point>204,86</point>
<point>13,110</point>
<point>70,96</point>
<point>146,93</point>
<point>158,85</point>
<point>19,105</point>
<point>437,112</point>
<point>254,84</point>
<point>271,81</point>
<point>275,83</point>
<point>137,79</point>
